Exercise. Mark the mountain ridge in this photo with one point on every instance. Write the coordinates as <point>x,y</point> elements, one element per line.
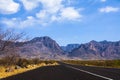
<point>47,48</point>
<point>41,47</point>
<point>97,50</point>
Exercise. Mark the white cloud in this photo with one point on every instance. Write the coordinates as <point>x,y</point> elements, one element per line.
<point>70,13</point>
<point>49,11</point>
<point>42,14</point>
<point>103,0</point>
<point>7,22</point>
<point>52,6</point>
<point>8,7</point>
<point>30,4</point>
<point>29,22</point>
<point>109,9</point>
<point>18,23</point>
<point>54,18</point>
<point>54,10</point>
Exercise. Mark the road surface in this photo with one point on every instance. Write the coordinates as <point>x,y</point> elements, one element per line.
<point>68,72</point>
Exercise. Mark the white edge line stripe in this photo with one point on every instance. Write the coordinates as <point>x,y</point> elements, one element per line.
<point>89,73</point>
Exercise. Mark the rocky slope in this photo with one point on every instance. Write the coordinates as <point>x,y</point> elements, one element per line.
<point>70,47</point>
<point>97,50</point>
<point>41,47</point>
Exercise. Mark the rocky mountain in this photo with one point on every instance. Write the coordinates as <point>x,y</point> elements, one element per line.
<point>47,48</point>
<point>41,47</point>
<point>97,50</point>
<point>70,47</point>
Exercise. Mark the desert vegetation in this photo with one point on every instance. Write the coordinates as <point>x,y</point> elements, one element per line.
<point>100,63</point>
<point>22,65</point>
<point>11,62</point>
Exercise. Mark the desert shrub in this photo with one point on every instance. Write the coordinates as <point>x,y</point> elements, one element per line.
<point>22,62</point>
<point>7,61</point>
<point>117,62</point>
<point>35,61</point>
<point>105,63</point>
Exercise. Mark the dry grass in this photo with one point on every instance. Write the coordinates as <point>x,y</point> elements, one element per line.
<point>4,74</point>
<point>99,63</point>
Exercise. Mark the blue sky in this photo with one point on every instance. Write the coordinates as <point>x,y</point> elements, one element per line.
<point>66,21</point>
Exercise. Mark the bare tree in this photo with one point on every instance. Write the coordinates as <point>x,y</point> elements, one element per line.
<point>7,44</point>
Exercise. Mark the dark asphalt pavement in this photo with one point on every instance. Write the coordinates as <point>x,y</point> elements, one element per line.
<point>61,72</point>
<point>107,72</point>
<point>112,73</point>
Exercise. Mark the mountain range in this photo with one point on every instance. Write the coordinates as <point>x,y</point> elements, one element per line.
<point>97,50</point>
<point>47,48</point>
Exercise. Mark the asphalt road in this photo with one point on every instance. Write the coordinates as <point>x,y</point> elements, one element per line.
<point>68,72</point>
<point>110,73</point>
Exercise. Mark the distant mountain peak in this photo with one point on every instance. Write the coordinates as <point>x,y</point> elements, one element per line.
<point>93,41</point>
<point>44,38</point>
<point>70,47</point>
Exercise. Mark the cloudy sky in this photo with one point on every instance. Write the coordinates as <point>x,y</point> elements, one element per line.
<point>66,21</point>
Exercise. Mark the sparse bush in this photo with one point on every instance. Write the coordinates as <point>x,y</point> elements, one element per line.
<point>22,63</point>
<point>103,63</point>
<point>36,61</point>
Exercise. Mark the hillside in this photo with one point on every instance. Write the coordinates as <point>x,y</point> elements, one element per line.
<point>97,50</point>
<point>40,47</point>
